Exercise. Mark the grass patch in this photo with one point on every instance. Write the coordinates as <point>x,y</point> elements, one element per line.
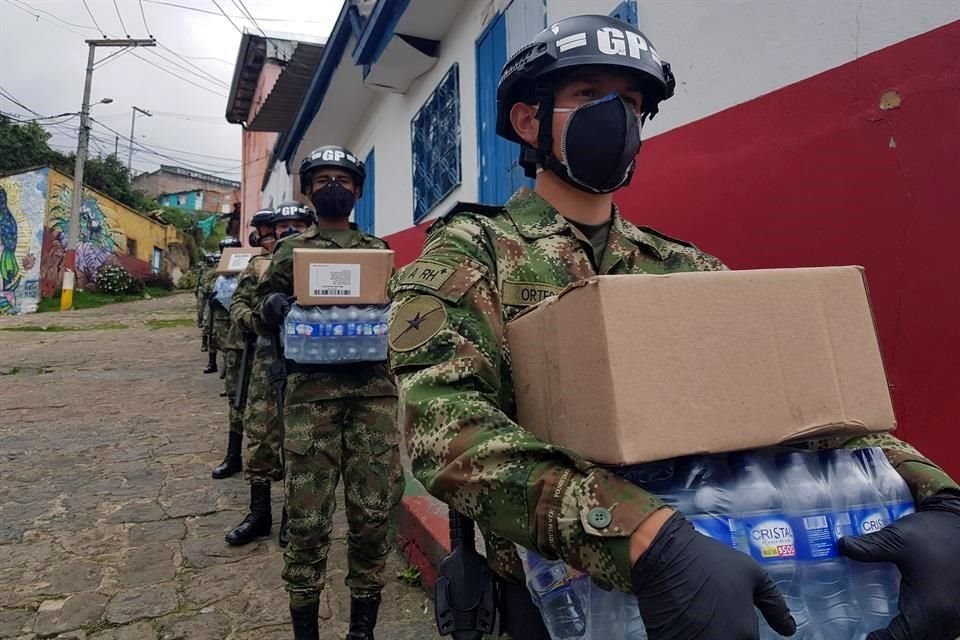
<point>10,372</point>
<point>94,299</point>
<point>170,324</point>
<point>56,328</point>
<point>410,575</point>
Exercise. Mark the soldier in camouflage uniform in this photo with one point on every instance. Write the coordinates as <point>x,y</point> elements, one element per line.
<point>339,420</point>
<point>201,270</point>
<point>574,100</point>
<point>230,341</point>
<point>260,424</point>
<point>204,293</point>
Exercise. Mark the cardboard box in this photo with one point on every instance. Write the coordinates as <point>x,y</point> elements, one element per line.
<point>341,276</point>
<point>636,368</point>
<point>235,259</point>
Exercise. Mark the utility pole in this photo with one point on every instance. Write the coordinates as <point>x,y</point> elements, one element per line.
<point>116,145</point>
<point>73,231</point>
<point>133,121</point>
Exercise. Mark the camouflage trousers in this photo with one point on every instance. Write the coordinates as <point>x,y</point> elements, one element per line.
<point>260,425</point>
<point>231,359</point>
<point>358,439</point>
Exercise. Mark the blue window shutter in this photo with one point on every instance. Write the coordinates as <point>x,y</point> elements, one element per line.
<point>626,11</point>
<point>435,142</point>
<point>364,212</point>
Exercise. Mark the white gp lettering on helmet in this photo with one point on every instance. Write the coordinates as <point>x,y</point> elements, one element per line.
<point>615,42</point>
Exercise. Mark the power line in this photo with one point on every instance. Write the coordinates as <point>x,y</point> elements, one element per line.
<point>44,11</point>
<point>205,76</point>
<point>9,96</point>
<point>243,9</point>
<point>90,13</point>
<point>239,30</point>
<point>120,17</point>
<point>205,73</point>
<point>199,86</point>
<point>117,53</point>
<point>144,16</point>
<point>214,13</point>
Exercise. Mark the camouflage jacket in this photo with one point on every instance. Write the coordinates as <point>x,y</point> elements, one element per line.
<point>480,266</point>
<point>243,319</point>
<point>217,318</point>
<point>344,381</point>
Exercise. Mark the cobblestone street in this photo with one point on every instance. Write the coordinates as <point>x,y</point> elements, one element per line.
<point>111,527</point>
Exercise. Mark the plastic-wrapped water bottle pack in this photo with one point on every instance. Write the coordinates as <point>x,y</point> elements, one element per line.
<point>223,288</point>
<point>787,509</point>
<point>336,335</point>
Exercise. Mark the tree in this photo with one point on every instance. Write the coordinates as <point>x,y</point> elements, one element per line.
<point>24,145</point>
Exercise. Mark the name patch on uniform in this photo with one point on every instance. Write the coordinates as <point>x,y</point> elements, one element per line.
<point>524,294</point>
<point>426,273</point>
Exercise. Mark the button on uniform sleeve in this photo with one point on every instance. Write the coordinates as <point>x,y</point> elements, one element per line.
<point>446,338</point>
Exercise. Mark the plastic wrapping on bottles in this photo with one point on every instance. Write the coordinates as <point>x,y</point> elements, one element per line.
<point>786,508</point>
<point>223,288</point>
<point>336,335</point>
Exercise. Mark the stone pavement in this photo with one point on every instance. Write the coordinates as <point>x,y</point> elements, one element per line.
<point>110,525</point>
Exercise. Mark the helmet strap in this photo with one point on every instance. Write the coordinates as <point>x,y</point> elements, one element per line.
<point>531,158</point>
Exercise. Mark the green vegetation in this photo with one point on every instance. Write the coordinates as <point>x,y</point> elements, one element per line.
<point>170,324</point>
<point>94,299</point>
<point>56,328</point>
<point>410,575</point>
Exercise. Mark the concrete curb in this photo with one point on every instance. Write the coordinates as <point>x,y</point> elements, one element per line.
<point>424,535</point>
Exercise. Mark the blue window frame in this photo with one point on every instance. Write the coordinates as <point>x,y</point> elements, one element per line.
<point>363,212</point>
<point>626,11</point>
<point>435,134</point>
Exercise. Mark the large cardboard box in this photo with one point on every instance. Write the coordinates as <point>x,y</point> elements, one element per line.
<point>341,276</point>
<point>235,259</point>
<point>636,368</point>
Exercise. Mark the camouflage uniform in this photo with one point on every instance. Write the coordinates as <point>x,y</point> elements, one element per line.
<point>338,420</point>
<point>480,266</point>
<point>260,414</point>
<point>229,339</point>
<point>205,290</point>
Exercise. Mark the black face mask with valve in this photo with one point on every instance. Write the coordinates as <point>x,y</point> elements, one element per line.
<point>333,201</point>
<point>599,145</point>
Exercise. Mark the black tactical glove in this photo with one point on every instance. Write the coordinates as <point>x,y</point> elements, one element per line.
<point>691,587</point>
<point>925,546</point>
<point>274,310</point>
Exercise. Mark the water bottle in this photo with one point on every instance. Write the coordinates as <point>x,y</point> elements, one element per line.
<point>293,334</point>
<point>613,615</point>
<point>555,592</point>
<point>764,531</point>
<point>313,343</point>
<point>824,575</point>
<point>859,509</point>
<point>888,483</point>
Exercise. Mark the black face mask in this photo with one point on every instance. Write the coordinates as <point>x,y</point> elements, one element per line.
<point>599,144</point>
<point>333,201</point>
<point>292,231</point>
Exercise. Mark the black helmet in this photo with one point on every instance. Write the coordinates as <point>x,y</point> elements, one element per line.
<point>576,42</point>
<point>331,155</point>
<point>212,258</point>
<point>290,211</point>
<point>262,218</point>
<point>229,242</point>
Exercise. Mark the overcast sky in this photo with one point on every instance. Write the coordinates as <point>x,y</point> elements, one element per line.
<point>42,64</point>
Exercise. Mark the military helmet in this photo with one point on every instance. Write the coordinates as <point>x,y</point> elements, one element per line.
<point>576,42</point>
<point>212,258</point>
<point>262,218</point>
<point>331,155</point>
<point>291,211</point>
<point>229,242</point>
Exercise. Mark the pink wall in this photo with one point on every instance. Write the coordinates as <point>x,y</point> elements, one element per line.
<point>257,147</point>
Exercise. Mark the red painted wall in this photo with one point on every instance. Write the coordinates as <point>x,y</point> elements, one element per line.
<point>818,174</point>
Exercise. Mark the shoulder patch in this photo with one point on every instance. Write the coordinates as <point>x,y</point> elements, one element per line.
<point>664,236</point>
<point>415,322</point>
<point>439,278</point>
<point>466,207</point>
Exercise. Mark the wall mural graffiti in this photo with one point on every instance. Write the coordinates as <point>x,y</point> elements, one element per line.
<point>22,207</point>
<point>96,244</point>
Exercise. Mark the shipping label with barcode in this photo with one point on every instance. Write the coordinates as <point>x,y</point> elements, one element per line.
<point>238,261</point>
<point>334,280</point>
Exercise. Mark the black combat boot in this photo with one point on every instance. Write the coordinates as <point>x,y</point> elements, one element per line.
<point>363,617</point>
<point>204,343</point>
<point>233,463</point>
<point>282,539</point>
<point>211,362</point>
<point>306,621</point>
<point>258,521</point>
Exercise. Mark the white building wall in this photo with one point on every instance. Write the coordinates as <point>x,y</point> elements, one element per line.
<point>279,187</point>
<point>723,53</point>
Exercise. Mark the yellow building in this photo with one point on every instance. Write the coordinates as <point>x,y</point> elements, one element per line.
<point>34,219</point>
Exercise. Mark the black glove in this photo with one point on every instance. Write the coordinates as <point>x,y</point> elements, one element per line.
<point>925,546</point>
<point>691,587</point>
<point>274,310</point>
